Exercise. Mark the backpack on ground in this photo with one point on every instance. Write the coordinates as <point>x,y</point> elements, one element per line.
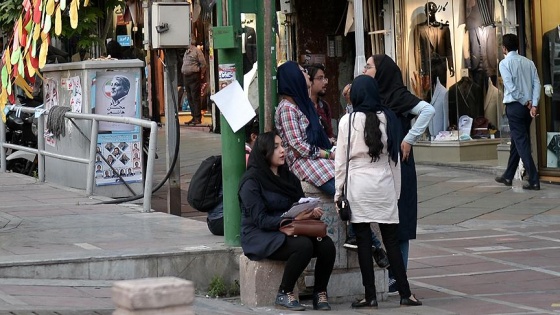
<point>204,189</point>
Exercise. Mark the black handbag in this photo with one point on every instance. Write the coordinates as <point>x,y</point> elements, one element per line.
<point>342,203</point>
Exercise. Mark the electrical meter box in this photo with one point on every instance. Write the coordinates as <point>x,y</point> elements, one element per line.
<point>105,87</point>
<point>171,24</point>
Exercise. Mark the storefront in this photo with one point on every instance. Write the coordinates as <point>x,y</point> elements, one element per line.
<point>546,30</point>
<point>449,52</point>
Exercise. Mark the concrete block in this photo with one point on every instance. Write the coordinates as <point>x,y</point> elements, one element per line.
<point>152,293</point>
<point>172,310</point>
<point>259,281</point>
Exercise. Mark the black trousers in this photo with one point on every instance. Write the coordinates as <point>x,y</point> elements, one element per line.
<point>297,253</point>
<point>520,125</point>
<point>192,88</point>
<point>391,242</point>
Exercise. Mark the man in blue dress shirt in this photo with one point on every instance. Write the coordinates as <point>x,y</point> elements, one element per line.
<point>522,90</point>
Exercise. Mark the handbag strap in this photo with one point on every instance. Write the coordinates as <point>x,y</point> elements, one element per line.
<point>348,154</point>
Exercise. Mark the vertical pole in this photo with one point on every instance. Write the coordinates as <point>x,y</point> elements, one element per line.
<point>150,167</point>
<point>92,153</point>
<point>233,143</point>
<point>2,149</point>
<point>359,32</point>
<point>41,147</point>
<point>266,53</point>
<point>171,132</point>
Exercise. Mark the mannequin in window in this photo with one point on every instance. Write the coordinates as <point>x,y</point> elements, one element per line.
<point>465,98</point>
<point>434,53</point>
<point>249,48</point>
<point>551,74</point>
<point>480,46</point>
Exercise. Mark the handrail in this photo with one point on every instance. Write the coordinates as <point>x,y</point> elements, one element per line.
<point>95,118</point>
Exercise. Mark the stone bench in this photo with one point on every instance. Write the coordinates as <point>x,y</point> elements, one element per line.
<point>259,280</point>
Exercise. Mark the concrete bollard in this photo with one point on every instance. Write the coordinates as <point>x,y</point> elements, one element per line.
<point>151,296</point>
<point>259,281</point>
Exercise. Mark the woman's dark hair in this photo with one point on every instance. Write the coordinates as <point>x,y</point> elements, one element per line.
<point>372,135</point>
<point>114,49</point>
<point>264,145</point>
<point>510,42</point>
<point>251,128</point>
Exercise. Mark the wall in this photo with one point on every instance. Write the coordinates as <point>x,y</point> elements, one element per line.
<point>314,22</point>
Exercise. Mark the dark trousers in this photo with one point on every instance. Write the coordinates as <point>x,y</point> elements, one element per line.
<point>297,253</point>
<point>520,123</point>
<point>216,226</point>
<point>192,88</point>
<point>365,259</point>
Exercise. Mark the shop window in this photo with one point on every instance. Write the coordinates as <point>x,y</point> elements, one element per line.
<point>451,55</point>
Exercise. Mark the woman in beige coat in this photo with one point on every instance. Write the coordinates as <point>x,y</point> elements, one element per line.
<point>373,182</point>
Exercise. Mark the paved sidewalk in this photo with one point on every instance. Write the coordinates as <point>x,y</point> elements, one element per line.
<point>482,247</point>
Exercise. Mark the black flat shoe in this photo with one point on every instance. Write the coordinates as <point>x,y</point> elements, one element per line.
<point>365,303</point>
<point>532,186</point>
<point>503,180</point>
<point>409,302</point>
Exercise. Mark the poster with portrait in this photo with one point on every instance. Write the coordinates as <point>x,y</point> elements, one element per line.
<point>118,159</point>
<point>116,94</point>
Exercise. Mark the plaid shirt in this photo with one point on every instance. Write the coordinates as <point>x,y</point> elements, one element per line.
<point>302,157</point>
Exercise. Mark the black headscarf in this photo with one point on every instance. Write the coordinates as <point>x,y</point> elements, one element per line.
<point>286,183</point>
<point>394,93</point>
<point>291,82</point>
<point>366,99</point>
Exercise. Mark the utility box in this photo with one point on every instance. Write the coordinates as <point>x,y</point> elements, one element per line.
<point>171,25</point>
<point>108,87</point>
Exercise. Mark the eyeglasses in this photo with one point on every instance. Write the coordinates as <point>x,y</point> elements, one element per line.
<point>367,67</point>
<point>322,78</point>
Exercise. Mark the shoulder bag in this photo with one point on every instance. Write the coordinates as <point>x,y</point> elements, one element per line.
<point>342,203</point>
<point>309,227</point>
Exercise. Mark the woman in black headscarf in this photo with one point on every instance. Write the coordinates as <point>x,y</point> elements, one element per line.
<point>266,191</point>
<point>370,138</point>
<point>395,95</point>
<point>307,145</point>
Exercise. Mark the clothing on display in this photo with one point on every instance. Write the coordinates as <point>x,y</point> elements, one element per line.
<point>465,98</point>
<point>440,121</point>
<point>434,53</point>
<point>554,146</point>
<point>551,72</point>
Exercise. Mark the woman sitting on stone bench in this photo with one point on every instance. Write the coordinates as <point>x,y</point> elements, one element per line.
<point>266,191</point>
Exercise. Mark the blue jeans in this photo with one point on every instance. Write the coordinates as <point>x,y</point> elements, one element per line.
<point>404,246</point>
<point>374,238</point>
<point>328,187</point>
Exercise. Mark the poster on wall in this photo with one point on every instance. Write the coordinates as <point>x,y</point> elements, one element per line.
<point>118,159</point>
<point>116,94</point>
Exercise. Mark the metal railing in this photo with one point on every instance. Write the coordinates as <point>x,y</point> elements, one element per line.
<point>95,118</point>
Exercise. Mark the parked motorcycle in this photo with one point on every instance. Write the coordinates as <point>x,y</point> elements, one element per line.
<point>21,129</point>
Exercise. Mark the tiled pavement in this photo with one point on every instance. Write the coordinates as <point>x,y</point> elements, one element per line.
<point>482,248</point>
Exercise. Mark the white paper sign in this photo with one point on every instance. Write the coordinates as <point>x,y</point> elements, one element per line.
<point>234,105</point>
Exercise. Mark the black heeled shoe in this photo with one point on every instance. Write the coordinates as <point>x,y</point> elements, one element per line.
<point>365,303</point>
<point>410,302</point>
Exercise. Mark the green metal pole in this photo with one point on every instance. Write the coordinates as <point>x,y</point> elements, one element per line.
<point>233,143</point>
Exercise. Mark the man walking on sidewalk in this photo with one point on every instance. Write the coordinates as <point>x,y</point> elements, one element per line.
<point>522,90</point>
<point>193,69</point>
